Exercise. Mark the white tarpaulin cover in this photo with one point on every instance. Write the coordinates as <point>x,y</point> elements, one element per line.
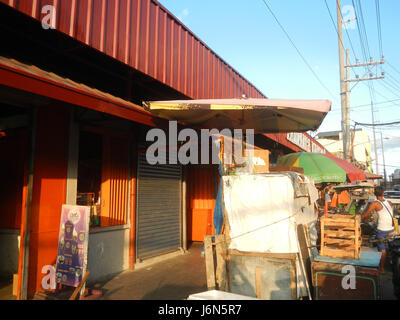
<point>260,210</point>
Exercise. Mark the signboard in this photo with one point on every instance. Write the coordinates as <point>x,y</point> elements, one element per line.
<point>304,142</point>
<point>72,245</point>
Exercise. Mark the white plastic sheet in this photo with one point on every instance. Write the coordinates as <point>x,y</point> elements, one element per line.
<point>260,210</point>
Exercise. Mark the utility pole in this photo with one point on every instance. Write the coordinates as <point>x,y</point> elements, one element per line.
<point>384,165</point>
<point>343,94</point>
<point>373,131</point>
<point>347,155</point>
<point>345,81</point>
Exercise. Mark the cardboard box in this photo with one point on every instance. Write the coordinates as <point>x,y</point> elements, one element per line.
<point>255,161</point>
<point>259,162</point>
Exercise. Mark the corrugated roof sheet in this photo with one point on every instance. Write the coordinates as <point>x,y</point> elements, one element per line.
<point>146,36</point>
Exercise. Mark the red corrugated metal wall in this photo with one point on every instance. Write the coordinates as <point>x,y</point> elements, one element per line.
<point>146,36</point>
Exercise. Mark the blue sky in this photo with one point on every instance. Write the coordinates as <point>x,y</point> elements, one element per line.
<point>245,35</point>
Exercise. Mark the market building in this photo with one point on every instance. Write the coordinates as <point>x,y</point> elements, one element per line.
<point>72,131</point>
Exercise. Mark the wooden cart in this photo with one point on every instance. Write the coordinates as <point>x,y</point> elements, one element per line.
<point>330,276</point>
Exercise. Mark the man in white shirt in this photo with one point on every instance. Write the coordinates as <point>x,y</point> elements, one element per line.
<point>385,221</point>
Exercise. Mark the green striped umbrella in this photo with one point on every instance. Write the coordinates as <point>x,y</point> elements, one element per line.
<point>315,165</point>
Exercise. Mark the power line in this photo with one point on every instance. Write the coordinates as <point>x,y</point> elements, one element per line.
<point>389,87</point>
<point>377,124</point>
<point>378,22</point>
<point>387,165</point>
<point>376,103</point>
<point>360,33</point>
<point>383,96</point>
<point>335,27</point>
<point>298,51</point>
<point>393,79</point>
<point>368,106</point>
<point>392,67</point>
<point>364,30</point>
<point>392,88</point>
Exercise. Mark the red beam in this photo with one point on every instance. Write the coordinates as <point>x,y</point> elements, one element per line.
<point>55,90</point>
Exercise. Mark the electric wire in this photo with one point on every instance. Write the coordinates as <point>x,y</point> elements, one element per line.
<point>393,79</point>
<point>298,51</point>
<point>390,88</point>
<point>390,65</point>
<point>337,31</point>
<point>377,124</point>
<point>365,50</point>
<point>368,106</point>
<point>379,26</point>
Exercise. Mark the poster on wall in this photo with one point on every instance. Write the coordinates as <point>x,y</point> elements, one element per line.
<point>72,245</point>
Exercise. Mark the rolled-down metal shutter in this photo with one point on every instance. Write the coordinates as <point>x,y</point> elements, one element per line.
<point>158,208</point>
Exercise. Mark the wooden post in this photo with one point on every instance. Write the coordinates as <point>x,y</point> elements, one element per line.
<point>321,250</point>
<point>304,257</point>
<point>75,293</point>
<point>221,274</point>
<point>209,256</point>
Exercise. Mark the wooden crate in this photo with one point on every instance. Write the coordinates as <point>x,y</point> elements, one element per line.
<point>340,236</point>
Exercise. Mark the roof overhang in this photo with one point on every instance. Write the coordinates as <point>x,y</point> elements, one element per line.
<point>31,79</point>
<point>262,115</point>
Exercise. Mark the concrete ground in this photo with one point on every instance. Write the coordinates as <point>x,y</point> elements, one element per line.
<point>166,278</point>
<point>178,277</point>
<point>174,278</point>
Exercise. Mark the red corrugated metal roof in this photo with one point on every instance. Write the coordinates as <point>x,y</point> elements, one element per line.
<point>146,36</point>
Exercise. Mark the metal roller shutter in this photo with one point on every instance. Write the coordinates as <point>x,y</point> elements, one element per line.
<point>158,208</point>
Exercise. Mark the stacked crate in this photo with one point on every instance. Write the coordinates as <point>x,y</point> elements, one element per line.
<point>340,236</point>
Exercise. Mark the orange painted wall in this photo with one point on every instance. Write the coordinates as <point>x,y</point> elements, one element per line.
<point>201,201</point>
<point>49,189</point>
